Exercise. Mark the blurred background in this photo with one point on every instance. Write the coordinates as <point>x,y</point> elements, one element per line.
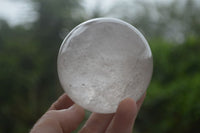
<point>31,32</point>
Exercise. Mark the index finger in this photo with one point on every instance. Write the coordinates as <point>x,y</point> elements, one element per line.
<point>63,102</point>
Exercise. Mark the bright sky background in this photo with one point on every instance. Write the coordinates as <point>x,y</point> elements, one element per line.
<point>17,12</point>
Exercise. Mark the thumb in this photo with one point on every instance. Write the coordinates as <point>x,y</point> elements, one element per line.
<point>60,121</point>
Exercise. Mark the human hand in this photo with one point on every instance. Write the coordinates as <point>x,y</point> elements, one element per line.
<point>64,116</point>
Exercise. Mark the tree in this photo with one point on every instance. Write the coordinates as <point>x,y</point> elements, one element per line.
<point>29,82</point>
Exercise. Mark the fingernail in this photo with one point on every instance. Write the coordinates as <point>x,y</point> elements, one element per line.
<point>75,107</point>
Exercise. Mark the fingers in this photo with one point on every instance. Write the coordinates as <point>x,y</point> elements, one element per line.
<point>63,102</point>
<point>62,117</point>
<point>122,122</point>
<point>97,123</point>
<point>60,121</point>
<point>124,118</point>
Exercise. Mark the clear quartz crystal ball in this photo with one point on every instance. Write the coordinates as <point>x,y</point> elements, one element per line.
<point>103,61</point>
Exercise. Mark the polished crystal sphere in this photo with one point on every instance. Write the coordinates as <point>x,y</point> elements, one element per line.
<point>103,61</point>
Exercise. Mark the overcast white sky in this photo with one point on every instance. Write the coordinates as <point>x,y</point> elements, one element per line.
<point>17,12</point>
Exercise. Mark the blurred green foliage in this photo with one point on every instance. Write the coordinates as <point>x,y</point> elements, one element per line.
<point>172,104</point>
<point>28,76</point>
